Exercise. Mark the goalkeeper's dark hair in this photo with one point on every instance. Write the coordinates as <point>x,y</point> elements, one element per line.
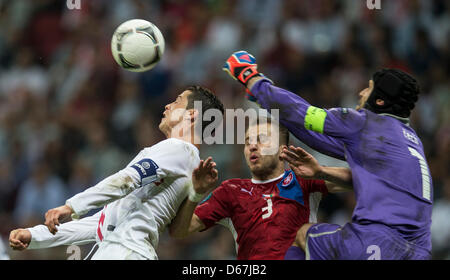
<point>397,89</point>
<point>208,101</point>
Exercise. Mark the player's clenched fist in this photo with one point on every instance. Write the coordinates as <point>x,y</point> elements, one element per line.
<point>242,66</point>
<point>19,239</point>
<point>56,215</point>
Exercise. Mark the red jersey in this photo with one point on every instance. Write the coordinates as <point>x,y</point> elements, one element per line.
<point>263,216</point>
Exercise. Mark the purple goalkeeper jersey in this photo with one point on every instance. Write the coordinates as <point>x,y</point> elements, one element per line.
<point>391,179</point>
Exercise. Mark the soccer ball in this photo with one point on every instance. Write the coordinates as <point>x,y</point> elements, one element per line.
<point>137,45</point>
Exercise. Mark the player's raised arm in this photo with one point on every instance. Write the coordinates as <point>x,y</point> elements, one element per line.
<point>204,178</point>
<point>310,124</point>
<point>337,179</point>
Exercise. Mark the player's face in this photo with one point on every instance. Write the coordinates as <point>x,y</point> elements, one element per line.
<point>258,140</point>
<point>174,112</point>
<point>364,95</point>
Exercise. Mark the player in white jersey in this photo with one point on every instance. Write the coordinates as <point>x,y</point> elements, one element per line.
<point>141,199</point>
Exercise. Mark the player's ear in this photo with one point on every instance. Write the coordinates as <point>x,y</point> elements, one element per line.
<point>281,149</point>
<point>193,115</point>
<point>379,102</point>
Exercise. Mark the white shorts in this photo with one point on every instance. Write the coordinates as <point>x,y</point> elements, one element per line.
<point>115,251</point>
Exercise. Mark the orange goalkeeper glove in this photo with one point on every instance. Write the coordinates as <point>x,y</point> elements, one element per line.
<point>242,66</point>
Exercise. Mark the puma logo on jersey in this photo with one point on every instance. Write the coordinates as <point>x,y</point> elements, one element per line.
<point>249,192</point>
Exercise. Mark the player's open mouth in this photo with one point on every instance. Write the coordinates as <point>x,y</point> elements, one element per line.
<point>254,158</point>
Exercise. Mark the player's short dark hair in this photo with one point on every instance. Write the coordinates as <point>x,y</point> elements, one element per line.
<point>397,89</point>
<point>208,101</point>
<point>282,130</point>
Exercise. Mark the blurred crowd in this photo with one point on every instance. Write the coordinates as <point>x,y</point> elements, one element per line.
<point>69,116</point>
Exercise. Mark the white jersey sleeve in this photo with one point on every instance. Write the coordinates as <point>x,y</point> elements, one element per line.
<point>170,157</point>
<point>80,232</point>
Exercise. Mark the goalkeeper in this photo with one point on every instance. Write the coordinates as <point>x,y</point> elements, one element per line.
<point>391,178</point>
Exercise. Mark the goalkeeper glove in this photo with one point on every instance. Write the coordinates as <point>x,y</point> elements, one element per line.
<point>242,66</point>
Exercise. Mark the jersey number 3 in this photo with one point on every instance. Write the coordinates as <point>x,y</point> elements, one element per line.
<point>268,208</point>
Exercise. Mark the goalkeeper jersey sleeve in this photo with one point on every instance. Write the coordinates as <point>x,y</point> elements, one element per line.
<point>323,130</point>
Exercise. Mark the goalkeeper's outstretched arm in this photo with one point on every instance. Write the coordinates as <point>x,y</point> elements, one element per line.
<point>323,130</point>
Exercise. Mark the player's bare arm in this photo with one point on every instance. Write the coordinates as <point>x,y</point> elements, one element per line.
<point>204,177</point>
<point>337,179</point>
<point>19,239</point>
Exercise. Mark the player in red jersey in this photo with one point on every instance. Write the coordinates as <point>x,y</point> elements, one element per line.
<point>264,212</point>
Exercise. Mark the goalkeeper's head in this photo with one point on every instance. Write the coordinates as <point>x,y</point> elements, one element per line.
<point>391,91</point>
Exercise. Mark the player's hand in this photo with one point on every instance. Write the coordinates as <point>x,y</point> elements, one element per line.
<point>19,239</point>
<point>301,162</point>
<point>205,176</point>
<point>56,215</point>
<point>242,66</point>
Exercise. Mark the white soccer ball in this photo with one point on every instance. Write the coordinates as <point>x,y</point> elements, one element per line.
<point>137,45</point>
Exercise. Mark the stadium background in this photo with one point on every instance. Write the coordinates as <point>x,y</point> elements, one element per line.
<point>70,117</point>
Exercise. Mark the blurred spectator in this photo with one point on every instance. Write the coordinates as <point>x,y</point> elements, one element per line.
<point>224,33</point>
<point>126,113</point>
<point>220,248</point>
<point>81,177</point>
<point>423,54</point>
<point>42,191</point>
<point>344,215</point>
<point>7,187</point>
<point>102,156</point>
<point>440,228</point>
<point>24,74</point>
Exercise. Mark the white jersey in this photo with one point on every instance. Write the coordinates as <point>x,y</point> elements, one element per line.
<point>141,199</point>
